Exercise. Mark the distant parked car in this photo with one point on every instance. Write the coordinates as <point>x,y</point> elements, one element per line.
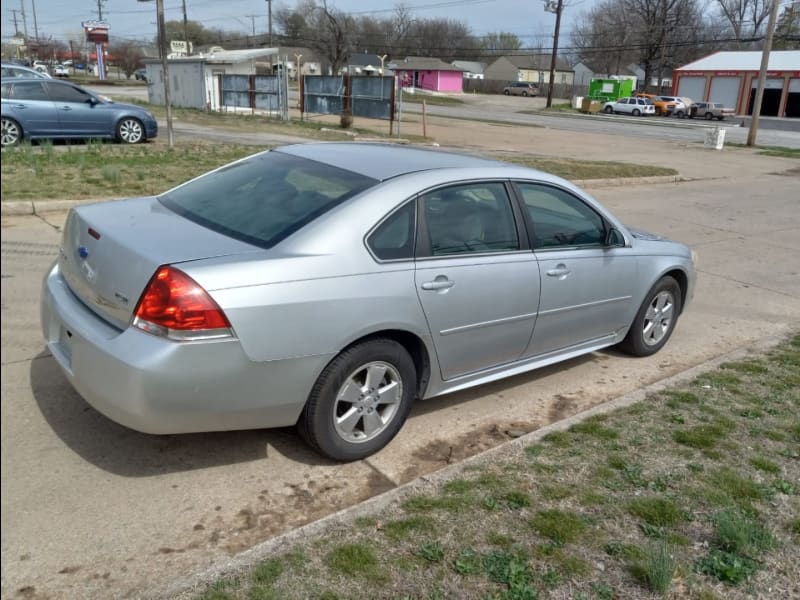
<point>61,71</point>
<point>140,74</point>
<point>711,110</point>
<point>630,106</point>
<point>18,71</point>
<point>681,108</point>
<point>521,88</point>
<point>49,109</point>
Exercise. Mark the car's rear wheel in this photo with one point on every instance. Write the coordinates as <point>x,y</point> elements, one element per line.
<point>709,116</point>
<point>679,114</point>
<point>360,401</point>
<point>608,110</point>
<point>506,92</point>
<point>130,131</point>
<point>636,112</point>
<point>11,132</point>
<point>524,93</point>
<point>655,321</point>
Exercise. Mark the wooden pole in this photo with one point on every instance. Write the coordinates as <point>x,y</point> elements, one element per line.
<point>424,120</point>
<point>762,75</point>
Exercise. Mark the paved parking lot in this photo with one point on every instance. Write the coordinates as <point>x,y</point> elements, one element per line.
<point>93,510</point>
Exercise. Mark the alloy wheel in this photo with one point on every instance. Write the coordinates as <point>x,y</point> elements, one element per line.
<point>367,402</point>
<point>658,318</point>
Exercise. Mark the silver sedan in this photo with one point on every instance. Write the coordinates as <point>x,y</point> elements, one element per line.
<point>329,286</point>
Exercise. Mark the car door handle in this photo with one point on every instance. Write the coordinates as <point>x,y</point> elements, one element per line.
<point>20,106</point>
<point>438,284</point>
<point>559,271</point>
<point>66,108</point>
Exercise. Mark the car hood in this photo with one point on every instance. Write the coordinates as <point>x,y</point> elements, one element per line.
<point>125,106</point>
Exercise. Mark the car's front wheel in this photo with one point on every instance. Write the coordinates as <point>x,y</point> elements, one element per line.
<point>608,110</point>
<point>636,112</point>
<point>360,401</point>
<point>655,321</point>
<point>130,131</point>
<point>709,116</point>
<point>11,132</point>
<point>506,92</point>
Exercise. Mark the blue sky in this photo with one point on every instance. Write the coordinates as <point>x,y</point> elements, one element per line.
<point>133,19</point>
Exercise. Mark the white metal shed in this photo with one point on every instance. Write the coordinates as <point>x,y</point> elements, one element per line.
<point>193,79</point>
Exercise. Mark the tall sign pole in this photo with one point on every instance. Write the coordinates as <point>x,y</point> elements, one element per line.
<point>557,8</point>
<point>762,74</point>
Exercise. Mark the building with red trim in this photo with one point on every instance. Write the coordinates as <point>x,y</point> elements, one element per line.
<point>732,77</point>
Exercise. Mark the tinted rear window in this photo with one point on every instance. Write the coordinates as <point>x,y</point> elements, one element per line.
<point>265,198</point>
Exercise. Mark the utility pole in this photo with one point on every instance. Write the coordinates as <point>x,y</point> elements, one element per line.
<point>269,23</point>
<point>762,74</point>
<point>163,50</point>
<point>24,20</point>
<point>100,9</point>
<point>557,9</point>
<point>185,28</point>
<point>35,24</point>
<point>14,12</point>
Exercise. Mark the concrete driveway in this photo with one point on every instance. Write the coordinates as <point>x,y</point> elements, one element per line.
<point>93,510</point>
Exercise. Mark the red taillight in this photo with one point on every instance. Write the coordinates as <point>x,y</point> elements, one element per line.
<point>173,304</point>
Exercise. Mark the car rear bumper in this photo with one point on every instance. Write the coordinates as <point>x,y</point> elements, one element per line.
<point>154,385</point>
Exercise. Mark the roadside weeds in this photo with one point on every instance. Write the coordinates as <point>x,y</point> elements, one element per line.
<point>692,492</point>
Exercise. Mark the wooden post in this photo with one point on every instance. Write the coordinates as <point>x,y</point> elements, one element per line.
<point>424,120</point>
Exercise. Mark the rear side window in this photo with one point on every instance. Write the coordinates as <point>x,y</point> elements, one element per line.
<point>29,90</point>
<point>394,238</point>
<point>265,198</point>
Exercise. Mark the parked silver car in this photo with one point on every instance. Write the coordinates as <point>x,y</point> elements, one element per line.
<point>331,285</point>
<point>630,106</point>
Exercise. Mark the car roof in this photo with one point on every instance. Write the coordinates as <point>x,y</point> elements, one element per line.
<point>385,161</point>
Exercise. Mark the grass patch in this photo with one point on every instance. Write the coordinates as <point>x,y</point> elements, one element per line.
<point>355,560</point>
<point>432,100</point>
<point>659,512</point>
<point>558,526</point>
<point>663,518</point>
<point>587,169</point>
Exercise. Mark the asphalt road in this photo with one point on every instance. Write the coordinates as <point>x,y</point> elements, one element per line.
<point>514,109</point>
<point>93,510</point>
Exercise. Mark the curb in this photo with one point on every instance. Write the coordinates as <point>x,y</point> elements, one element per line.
<point>188,586</point>
<point>659,122</point>
<point>37,207</point>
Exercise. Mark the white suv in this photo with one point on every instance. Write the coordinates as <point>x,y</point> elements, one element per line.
<point>630,106</point>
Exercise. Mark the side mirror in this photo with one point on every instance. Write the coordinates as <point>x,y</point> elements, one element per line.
<point>92,101</point>
<point>614,239</point>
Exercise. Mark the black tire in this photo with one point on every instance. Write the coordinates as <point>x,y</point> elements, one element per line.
<point>316,424</point>
<point>636,112</point>
<point>709,116</point>
<point>130,130</point>
<point>720,118</point>
<point>506,92</point>
<point>608,110</point>
<point>637,342</point>
<point>11,132</point>
<point>525,93</point>
<point>680,114</point>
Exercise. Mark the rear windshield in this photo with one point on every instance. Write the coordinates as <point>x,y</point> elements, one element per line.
<point>264,198</point>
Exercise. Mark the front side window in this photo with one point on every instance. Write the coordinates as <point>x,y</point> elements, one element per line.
<point>264,198</point>
<point>470,218</point>
<point>559,219</point>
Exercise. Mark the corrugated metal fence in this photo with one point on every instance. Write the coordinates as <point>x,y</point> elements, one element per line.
<point>362,96</point>
<point>256,92</point>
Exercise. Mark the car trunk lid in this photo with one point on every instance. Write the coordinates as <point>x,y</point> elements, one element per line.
<point>109,251</point>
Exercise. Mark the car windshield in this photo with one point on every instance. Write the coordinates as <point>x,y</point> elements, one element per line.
<point>264,198</point>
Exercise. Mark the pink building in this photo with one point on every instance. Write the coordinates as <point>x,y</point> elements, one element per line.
<point>430,74</point>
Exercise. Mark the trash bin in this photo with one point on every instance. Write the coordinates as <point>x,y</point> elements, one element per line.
<point>715,138</point>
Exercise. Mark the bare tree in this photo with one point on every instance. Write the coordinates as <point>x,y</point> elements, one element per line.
<point>787,30</point>
<point>745,17</point>
<point>127,56</point>
<point>498,43</point>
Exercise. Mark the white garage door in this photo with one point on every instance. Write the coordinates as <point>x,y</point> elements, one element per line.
<point>773,83</point>
<point>725,90</point>
<point>692,87</point>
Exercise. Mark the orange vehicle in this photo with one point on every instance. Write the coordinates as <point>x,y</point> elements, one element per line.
<point>663,107</point>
